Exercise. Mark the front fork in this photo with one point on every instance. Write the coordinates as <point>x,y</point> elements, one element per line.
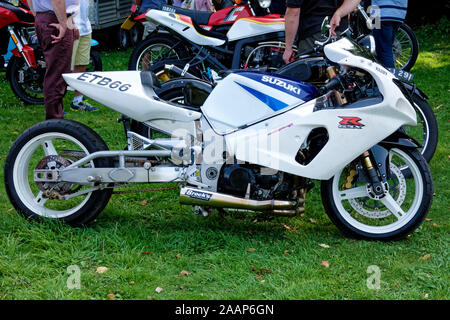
<point>375,164</point>
<point>22,48</point>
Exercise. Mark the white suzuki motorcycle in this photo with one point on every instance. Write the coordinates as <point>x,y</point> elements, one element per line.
<point>256,149</point>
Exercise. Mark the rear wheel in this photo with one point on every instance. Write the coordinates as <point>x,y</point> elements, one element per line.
<point>52,145</point>
<point>406,48</point>
<point>349,202</point>
<point>155,48</point>
<point>426,131</point>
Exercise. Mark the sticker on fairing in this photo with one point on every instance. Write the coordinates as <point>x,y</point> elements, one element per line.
<point>198,195</point>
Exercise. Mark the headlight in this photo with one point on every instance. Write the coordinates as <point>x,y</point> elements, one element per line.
<point>264,3</point>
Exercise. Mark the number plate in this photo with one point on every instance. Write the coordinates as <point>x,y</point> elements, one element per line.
<point>402,75</point>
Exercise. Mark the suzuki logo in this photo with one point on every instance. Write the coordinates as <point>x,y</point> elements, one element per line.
<point>350,123</point>
<point>281,83</point>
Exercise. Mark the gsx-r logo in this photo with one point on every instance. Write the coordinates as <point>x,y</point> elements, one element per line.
<point>281,83</point>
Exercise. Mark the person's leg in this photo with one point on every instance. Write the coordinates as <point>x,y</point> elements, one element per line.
<point>309,43</point>
<point>57,59</point>
<point>81,58</point>
<point>383,42</point>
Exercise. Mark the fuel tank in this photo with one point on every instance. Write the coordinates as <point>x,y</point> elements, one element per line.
<point>246,97</point>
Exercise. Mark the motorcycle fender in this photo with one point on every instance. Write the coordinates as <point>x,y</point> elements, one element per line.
<point>28,53</point>
<point>399,138</point>
<point>16,52</point>
<point>413,89</point>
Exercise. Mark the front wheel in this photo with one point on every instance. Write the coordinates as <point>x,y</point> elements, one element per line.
<point>54,145</point>
<point>26,82</point>
<point>354,209</point>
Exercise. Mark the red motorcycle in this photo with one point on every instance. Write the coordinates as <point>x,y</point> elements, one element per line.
<point>26,68</point>
<point>161,44</point>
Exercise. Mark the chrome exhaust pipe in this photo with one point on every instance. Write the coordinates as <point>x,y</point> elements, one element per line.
<point>194,196</point>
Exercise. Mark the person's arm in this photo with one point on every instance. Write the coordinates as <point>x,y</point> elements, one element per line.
<point>292,20</point>
<point>347,7</point>
<point>59,8</point>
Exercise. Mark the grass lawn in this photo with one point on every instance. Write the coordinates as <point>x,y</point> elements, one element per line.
<point>146,244</point>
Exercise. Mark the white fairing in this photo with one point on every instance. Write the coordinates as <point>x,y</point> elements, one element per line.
<point>250,27</point>
<point>123,92</point>
<point>183,26</point>
<point>249,102</point>
<point>275,142</point>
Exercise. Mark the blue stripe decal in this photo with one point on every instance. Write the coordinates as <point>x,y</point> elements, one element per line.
<point>273,103</point>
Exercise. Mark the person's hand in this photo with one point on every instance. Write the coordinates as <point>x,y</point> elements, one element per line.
<point>334,23</point>
<point>287,55</point>
<point>61,32</point>
<point>76,34</point>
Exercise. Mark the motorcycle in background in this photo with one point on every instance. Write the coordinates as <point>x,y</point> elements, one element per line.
<point>25,68</point>
<point>218,40</point>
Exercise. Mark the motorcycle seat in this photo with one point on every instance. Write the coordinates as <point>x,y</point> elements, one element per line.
<point>201,17</point>
<point>22,16</point>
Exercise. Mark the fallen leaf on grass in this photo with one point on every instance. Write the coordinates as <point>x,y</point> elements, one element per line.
<point>325,263</point>
<point>250,232</point>
<point>438,107</point>
<point>101,270</point>
<point>132,282</point>
<point>184,273</point>
<point>425,257</point>
<point>158,289</point>
<point>143,202</point>
<point>426,295</point>
<point>287,251</point>
<point>110,296</point>
<point>428,219</point>
<point>312,220</point>
<point>293,229</point>
<point>151,298</point>
<point>146,252</point>
<point>260,272</point>
<point>251,249</point>
<point>178,255</point>
<point>262,281</point>
<point>323,245</point>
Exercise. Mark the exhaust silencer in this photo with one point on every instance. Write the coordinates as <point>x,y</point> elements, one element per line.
<point>195,196</point>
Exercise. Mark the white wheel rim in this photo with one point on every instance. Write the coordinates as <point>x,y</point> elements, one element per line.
<point>358,192</point>
<point>22,184</point>
<point>149,48</point>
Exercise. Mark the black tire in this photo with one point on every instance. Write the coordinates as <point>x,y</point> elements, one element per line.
<point>417,217</point>
<point>135,34</point>
<point>122,39</point>
<point>95,62</point>
<point>165,41</point>
<point>406,34</point>
<point>426,116</point>
<point>97,201</point>
<point>29,91</point>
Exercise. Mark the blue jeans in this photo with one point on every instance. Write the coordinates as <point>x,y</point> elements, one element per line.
<point>384,38</point>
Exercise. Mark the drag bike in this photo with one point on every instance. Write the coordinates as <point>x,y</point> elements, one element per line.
<point>255,144</point>
<point>25,63</point>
